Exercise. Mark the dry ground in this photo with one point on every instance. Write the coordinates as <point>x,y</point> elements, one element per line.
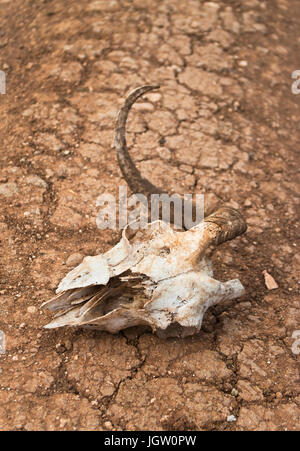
<point>225,123</point>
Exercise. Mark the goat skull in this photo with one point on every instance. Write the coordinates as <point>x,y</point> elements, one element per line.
<point>160,278</point>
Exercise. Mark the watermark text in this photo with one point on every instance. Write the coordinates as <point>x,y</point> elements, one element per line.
<point>296,84</point>
<point>2,342</point>
<point>2,82</point>
<point>183,211</point>
<point>296,344</point>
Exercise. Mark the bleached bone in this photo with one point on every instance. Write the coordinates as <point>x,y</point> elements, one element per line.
<point>159,278</point>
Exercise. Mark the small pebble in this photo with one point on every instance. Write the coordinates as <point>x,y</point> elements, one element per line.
<point>231,418</point>
<point>74,259</point>
<point>108,425</point>
<point>234,392</point>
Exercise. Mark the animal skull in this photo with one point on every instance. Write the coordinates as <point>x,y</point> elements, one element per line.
<point>160,278</point>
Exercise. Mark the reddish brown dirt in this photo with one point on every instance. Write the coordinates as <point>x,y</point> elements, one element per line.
<point>226,124</point>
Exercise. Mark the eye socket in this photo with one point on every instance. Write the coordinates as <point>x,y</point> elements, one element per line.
<point>164,251</point>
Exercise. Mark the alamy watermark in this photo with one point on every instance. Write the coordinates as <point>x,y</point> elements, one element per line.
<point>296,84</point>
<point>2,82</point>
<point>2,342</point>
<point>183,211</point>
<point>296,344</point>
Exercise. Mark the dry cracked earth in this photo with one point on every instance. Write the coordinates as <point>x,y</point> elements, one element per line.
<point>225,123</point>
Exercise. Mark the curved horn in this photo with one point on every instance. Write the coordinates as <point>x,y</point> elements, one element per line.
<point>131,174</point>
<point>224,225</point>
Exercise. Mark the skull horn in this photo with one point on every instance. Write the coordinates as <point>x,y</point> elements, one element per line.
<point>225,224</point>
<point>131,174</point>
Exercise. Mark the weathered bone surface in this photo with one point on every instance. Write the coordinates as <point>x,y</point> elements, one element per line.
<point>160,278</point>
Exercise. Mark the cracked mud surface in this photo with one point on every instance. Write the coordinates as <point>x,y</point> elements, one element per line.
<point>225,123</point>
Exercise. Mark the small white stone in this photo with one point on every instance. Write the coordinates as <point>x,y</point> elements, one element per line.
<point>234,392</point>
<point>231,418</point>
<point>108,425</point>
<point>74,259</point>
